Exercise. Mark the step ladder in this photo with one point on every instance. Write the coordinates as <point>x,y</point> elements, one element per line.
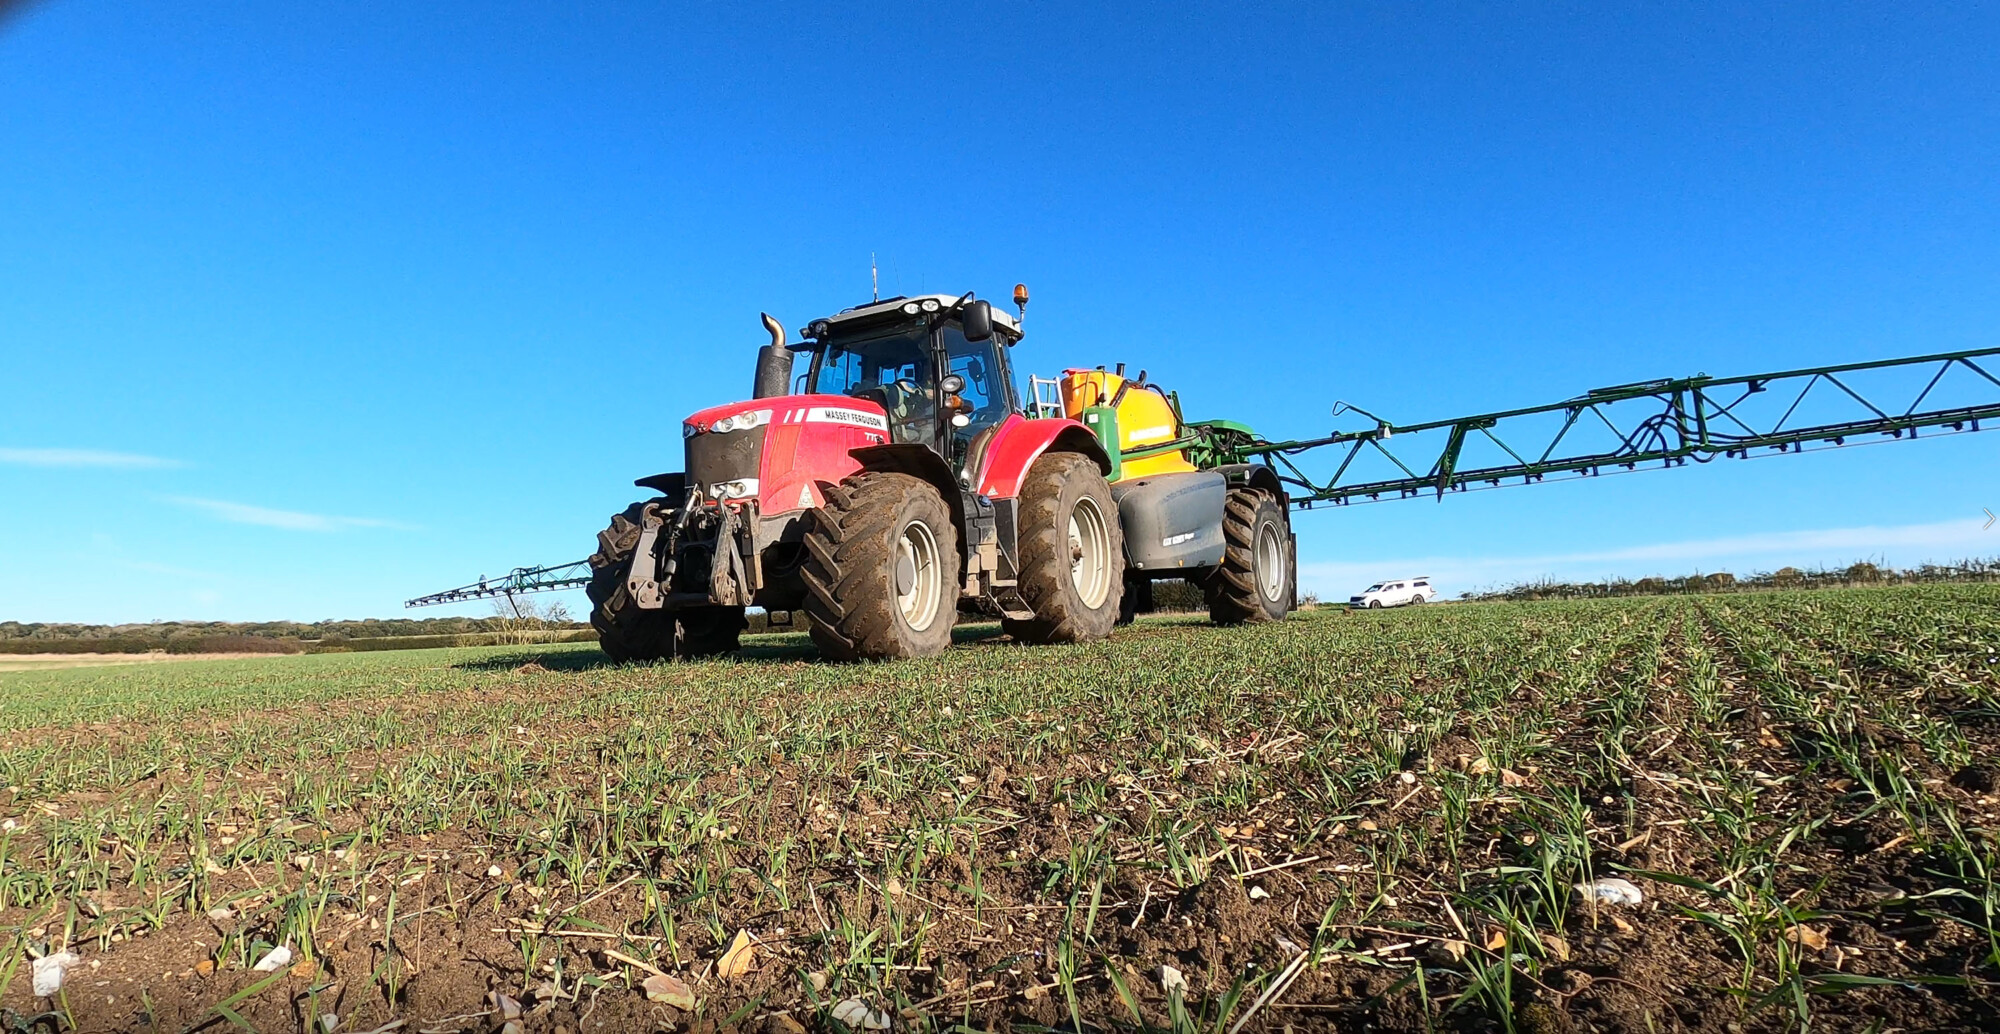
<point>1044,397</point>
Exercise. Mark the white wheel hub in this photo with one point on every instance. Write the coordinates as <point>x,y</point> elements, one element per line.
<point>919,576</point>
<point>1089,553</point>
<point>1270,561</point>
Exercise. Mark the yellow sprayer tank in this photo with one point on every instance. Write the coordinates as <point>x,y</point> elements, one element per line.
<point>1144,418</point>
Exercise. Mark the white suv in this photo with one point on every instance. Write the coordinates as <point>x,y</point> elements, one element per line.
<point>1396,593</point>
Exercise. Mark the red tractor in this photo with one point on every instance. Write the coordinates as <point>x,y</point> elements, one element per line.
<point>903,483</point>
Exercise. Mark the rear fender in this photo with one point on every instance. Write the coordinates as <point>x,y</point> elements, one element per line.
<point>1019,442</point>
<point>1254,475</point>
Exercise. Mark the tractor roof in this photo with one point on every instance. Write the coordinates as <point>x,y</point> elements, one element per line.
<point>893,307</point>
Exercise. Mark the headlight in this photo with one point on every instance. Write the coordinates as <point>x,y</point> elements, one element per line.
<point>741,421</point>
<point>741,489</point>
<point>911,308</point>
<point>930,305</point>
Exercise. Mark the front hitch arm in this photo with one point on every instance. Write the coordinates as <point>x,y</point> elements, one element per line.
<point>648,592</point>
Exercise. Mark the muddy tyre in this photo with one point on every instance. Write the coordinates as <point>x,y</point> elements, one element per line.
<point>1072,552</point>
<point>881,569</point>
<point>626,632</point>
<point>1254,581</point>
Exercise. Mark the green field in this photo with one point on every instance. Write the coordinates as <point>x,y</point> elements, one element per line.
<point>1343,821</point>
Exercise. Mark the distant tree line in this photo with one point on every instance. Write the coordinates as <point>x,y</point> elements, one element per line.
<point>254,636</point>
<point>1853,575</point>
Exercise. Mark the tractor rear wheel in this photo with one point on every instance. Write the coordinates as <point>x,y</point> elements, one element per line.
<point>626,632</point>
<point>1072,552</point>
<point>881,569</point>
<point>1254,581</point>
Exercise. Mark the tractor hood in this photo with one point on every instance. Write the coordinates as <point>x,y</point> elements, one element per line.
<point>773,451</point>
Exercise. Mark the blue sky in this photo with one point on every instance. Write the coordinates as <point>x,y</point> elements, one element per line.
<point>307,311</point>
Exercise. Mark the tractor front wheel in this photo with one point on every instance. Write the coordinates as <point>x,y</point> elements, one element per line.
<point>1072,552</point>
<point>881,569</point>
<point>626,632</point>
<point>1254,581</point>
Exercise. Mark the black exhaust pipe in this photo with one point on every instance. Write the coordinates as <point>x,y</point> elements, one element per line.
<point>774,363</point>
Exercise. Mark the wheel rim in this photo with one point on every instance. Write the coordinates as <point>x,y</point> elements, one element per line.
<point>919,576</point>
<point>1089,553</point>
<point>1270,562</point>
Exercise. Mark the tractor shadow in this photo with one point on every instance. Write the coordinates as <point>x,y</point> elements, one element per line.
<point>759,648</point>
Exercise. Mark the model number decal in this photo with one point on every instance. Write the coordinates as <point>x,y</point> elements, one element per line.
<point>851,417</point>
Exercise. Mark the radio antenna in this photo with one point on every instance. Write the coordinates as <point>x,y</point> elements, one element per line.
<point>874,277</point>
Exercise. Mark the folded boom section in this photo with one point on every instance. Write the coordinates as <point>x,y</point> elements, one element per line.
<point>1664,422</point>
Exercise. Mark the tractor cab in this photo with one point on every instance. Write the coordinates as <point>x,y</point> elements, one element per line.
<point>936,364</point>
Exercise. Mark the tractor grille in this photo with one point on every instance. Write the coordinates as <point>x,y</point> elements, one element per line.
<point>713,458</point>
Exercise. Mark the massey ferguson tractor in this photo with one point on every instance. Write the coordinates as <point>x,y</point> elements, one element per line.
<point>898,480</point>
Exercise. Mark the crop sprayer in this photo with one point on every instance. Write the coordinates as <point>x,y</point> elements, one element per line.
<point>900,480</point>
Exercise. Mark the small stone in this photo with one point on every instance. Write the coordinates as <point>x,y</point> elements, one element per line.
<point>492,870</point>
<point>1259,893</point>
<point>817,979</point>
<point>204,967</point>
<point>328,1022</point>
<point>1407,778</point>
<point>279,958</point>
<point>221,912</point>
<point>1172,981</point>
<point>859,1016</point>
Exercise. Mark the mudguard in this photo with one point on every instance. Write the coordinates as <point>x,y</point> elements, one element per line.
<point>921,463</point>
<point>1018,442</point>
<point>1254,475</point>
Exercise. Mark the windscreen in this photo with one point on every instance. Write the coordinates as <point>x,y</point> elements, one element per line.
<point>887,367</point>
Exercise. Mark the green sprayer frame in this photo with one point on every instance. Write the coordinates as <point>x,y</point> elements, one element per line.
<point>1667,422</point>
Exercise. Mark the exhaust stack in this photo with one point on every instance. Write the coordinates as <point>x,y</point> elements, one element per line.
<point>774,363</point>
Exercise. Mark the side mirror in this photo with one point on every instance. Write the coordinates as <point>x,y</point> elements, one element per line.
<point>977,319</point>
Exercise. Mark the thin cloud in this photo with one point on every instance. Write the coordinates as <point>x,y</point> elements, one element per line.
<point>290,520</point>
<point>84,458</point>
<point>1943,540</point>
